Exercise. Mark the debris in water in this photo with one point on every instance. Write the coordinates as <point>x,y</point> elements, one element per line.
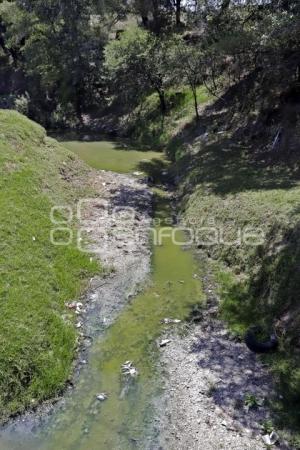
<point>102,397</point>
<point>168,321</point>
<point>129,369</point>
<point>79,325</point>
<point>164,342</point>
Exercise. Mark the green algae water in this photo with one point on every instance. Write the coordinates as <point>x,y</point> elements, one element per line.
<point>111,155</point>
<point>126,419</point>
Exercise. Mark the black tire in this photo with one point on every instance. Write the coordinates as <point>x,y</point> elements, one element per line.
<point>260,347</point>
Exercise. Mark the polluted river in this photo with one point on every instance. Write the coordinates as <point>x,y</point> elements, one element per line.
<point>114,400</point>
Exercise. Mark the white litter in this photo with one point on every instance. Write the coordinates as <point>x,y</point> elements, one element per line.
<point>270,439</point>
<point>129,369</point>
<point>102,397</point>
<point>164,342</point>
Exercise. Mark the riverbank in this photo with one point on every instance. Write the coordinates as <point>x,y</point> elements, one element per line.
<point>115,327</point>
<point>240,198</point>
<point>38,277</point>
<point>121,242</point>
<point>217,393</point>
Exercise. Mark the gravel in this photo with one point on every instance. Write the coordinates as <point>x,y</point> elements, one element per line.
<point>208,377</point>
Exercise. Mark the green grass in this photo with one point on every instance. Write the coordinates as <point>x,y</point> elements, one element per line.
<point>223,186</point>
<point>109,155</point>
<point>37,336</point>
<point>148,127</point>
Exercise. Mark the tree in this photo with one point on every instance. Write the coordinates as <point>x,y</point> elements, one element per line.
<point>60,51</point>
<point>139,63</point>
<point>189,66</point>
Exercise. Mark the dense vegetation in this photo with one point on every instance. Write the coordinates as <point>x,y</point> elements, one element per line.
<point>38,338</point>
<point>61,63</point>
<point>145,69</point>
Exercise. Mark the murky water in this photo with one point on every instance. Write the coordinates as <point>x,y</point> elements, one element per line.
<point>111,155</point>
<point>126,420</point>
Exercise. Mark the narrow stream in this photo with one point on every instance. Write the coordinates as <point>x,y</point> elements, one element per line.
<point>126,420</point>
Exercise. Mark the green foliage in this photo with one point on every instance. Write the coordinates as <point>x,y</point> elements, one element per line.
<point>146,125</point>
<point>37,278</point>
<point>59,53</point>
<point>140,61</point>
<point>250,401</point>
<point>22,104</point>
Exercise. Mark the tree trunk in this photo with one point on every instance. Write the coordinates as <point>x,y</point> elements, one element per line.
<point>78,103</point>
<point>178,12</point>
<point>194,90</point>
<point>156,16</point>
<point>162,99</point>
<point>145,21</point>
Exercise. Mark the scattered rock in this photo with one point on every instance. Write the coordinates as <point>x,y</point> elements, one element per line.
<point>207,376</point>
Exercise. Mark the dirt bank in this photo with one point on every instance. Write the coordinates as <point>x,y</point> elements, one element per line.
<point>216,389</point>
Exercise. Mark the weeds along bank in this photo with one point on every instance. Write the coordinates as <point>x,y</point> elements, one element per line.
<point>241,197</point>
<point>247,219</point>
<point>38,338</point>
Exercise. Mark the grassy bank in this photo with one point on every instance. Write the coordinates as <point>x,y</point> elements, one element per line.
<point>259,281</point>
<point>37,335</point>
<point>226,184</point>
<point>148,127</point>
